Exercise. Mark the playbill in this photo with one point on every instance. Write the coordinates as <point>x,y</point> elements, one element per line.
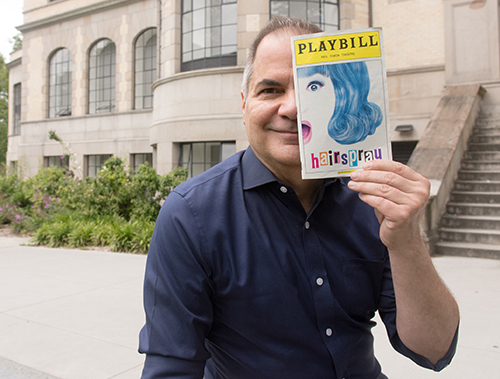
<point>342,104</point>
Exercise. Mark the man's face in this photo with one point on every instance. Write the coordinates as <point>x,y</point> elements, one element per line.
<point>270,111</point>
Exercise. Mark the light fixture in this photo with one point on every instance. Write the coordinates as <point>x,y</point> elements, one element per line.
<point>404,128</point>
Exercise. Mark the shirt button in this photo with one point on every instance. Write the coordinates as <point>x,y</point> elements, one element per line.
<point>319,281</point>
<point>328,332</point>
<point>284,189</point>
<point>307,225</point>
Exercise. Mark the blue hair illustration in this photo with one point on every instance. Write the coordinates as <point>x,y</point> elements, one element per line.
<point>354,117</point>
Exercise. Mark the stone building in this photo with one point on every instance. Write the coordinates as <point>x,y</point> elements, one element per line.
<point>159,80</point>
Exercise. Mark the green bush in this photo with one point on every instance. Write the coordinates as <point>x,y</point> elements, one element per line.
<point>103,232</point>
<point>81,233</point>
<point>48,181</point>
<point>119,235</point>
<point>148,190</point>
<point>117,208</point>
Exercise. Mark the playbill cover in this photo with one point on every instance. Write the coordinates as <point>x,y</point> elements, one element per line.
<point>342,103</point>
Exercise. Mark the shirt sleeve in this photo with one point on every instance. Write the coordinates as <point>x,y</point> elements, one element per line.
<point>387,311</point>
<point>177,297</point>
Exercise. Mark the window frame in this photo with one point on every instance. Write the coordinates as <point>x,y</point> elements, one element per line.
<point>322,9</point>
<point>143,79</point>
<point>59,87</point>
<point>96,167</point>
<point>16,128</point>
<point>206,164</point>
<point>221,54</point>
<point>48,161</point>
<point>103,82</point>
<point>148,157</point>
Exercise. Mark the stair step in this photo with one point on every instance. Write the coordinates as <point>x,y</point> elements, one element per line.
<point>467,164</point>
<point>471,225</point>
<point>479,175</point>
<point>479,138</point>
<point>471,222</point>
<point>488,118</point>
<point>468,250</point>
<point>482,155</point>
<point>472,209</point>
<point>477,185</point>
<point>484,146</point>
<point>475,197</point>
<point>486,129</point>
<point>487,237</point>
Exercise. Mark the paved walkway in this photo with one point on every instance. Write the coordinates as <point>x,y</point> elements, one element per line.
<point>74,314</point>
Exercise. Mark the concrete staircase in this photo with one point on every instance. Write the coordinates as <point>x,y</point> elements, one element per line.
<point>471,224</point>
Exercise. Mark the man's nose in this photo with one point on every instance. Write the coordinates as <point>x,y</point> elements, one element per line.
<point>288,107</point>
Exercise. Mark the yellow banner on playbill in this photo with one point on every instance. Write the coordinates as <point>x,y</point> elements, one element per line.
<point>338,48</point>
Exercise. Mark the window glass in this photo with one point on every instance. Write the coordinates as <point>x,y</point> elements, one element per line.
<point>102,77</point>
<point>200,156</point>
<point>331,17</point>
<point>17,108</point>
<point>94,163</point>
<point>204,44</point>
<point>60,83</point>
<point>140,159</point>
<point>58,161</point>
<point>323,13</point>
<point>145,68</point>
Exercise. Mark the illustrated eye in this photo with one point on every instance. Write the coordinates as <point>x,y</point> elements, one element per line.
<point>315,85</point>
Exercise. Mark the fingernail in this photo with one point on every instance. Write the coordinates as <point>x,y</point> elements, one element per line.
<point>367,165</point>
<point>355,175</point>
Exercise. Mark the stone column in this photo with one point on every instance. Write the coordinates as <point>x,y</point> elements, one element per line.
<point>472,41</point>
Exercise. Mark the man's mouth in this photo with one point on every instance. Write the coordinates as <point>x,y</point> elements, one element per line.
<point>306,132</point>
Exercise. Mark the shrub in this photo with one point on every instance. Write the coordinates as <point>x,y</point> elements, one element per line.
<point>81,233</point>
<point>142,236</point>
<point>48,181</point>
<point>117,208</point>
<point>148,191</point>
<point>103,232</point>
<point>57,233</point>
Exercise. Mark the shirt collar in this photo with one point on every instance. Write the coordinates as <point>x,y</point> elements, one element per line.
<point>256,174</point>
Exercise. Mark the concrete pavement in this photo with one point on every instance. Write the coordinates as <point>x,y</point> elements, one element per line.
<point>75,314</point>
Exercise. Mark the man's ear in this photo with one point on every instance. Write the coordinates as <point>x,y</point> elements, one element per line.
<point>243,103</point>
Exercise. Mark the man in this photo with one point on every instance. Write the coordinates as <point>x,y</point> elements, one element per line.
<point>255,273</point>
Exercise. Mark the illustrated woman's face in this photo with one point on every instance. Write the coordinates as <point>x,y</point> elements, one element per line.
<point>317,101</point>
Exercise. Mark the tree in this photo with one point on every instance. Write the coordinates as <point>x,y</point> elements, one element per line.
<point>16,42</point>
<point>4,109</point>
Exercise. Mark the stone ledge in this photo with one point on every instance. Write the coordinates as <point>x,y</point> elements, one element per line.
<point>437,155</point>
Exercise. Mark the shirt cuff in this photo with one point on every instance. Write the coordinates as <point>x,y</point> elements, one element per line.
<point>421,360</point>
<point>159,367</point>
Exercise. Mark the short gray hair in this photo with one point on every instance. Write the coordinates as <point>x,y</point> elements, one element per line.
<point>277,24</point>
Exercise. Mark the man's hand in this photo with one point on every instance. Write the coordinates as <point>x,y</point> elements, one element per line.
<point>427,315</point>
<point>398,194</point>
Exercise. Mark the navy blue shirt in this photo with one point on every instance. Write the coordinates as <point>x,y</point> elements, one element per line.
<point>239,275</point>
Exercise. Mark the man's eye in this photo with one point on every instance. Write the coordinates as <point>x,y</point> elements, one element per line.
<point>269,90</point>
<point>314,86</point>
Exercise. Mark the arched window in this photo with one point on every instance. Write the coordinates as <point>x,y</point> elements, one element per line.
<point>145,68</point>
<point>324,13</point>
<point>209,34</point>
<point>60,84</point>
<point>102,77</point>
